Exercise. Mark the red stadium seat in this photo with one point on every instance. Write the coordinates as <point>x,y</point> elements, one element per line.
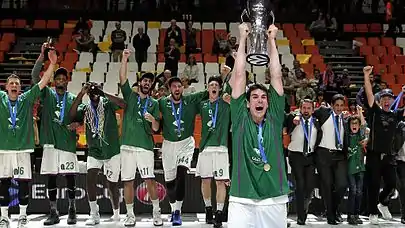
<point>379,50</point>
<point>388,78</point>
<point>53,24</point>
<point>207,40</point>
<point>348,28</point>
<point>375,27</point>
<point>7,23</point>
<point>361,40</point>
<point>300,27</point>
<point>209,58</point>
<point>387,41</point>
<point>8,37</point>
<point>387,59</point>
<point>400,59</point>
<point>401,79</point>
<point>380,69</point>
<point>366,50</point>
<point>39,24</point>
<point>395,69</point>
<point>373,41</point>
<point>362,28</point>
<point>372,60</point>
<point>4,46</point>
<point>312,50</point>
<point>394,50</point>
<point>20,23</point>
<point>316,59</point>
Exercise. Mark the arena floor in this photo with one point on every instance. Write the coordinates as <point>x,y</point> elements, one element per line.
<point>189,220</point>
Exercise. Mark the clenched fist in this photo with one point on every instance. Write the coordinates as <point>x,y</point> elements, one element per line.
<point>367,70</point>
<point>272,31</point>
<point>244,30</point>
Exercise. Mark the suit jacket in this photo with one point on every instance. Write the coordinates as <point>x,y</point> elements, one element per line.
<point>288,123</point>
<point>323,114</point>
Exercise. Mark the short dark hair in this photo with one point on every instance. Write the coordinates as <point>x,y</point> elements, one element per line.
<point>215,79</point>
<point>353,118</point>
<point>253,88</point>
<point>337,97</point>
<point>13,76</point>
<point>307,101</point>
<point>172,80</point>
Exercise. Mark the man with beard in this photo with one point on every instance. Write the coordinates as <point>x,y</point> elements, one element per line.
<point>259,189</point>
<point>18,140</point>
<point>213,160</point>
<point>305,132</point>
<point>141,118</point>
<point>380,160</point>
<point>103,142</point>
<point>178,118</point>
<point>58,138</point>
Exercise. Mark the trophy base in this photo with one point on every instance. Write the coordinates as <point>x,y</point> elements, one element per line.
<point>258,59</point>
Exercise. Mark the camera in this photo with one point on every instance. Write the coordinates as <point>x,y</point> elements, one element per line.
<point>95,89</point>
<point>50,46</point>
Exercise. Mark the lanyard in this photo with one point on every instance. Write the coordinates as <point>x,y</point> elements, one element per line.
<point>13,112</point>
<point>260,140</point>
<point>337,131</point>
<point>213,117</point>
<point>145,107</point>
<point>95,114</point>
<point>177,117</point>
<point>308,135</point>
<point>62,109</point>
<point>396,101</point>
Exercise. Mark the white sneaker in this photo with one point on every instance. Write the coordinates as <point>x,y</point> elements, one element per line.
<point>115,218</point>
<point>385,212</point>
<point>22,221</point>
<point>93,220</point>
<point>373,219</point>
<point>157,218</point>
<point>130,221</point>
<point>4,222</point>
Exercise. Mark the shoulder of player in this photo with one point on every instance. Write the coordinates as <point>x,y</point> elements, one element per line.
<point>3,94</point>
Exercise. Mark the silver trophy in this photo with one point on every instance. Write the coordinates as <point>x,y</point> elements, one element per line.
<point>259,13</point>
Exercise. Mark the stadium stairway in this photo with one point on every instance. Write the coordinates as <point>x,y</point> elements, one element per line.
<point>341,55</point>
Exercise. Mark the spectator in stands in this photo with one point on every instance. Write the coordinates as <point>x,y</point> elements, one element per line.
<point>318,25</point>
<point>85,43</point>
<point>191,71</point>
<point>391,18</point>
<point>320,100</point>
<point>296,67</point>
<point>315,79</point>
<point>304,92</point>
<point>361,98</point>
<point>327,83</point>
<point>191,39</point>
<point>289,83</point>
<point>163,78</point>
<point>172,57</point>
<point>161,92</point>
<point>141,43</point>
<point>173,32</point>
<point>118,38</point>
<point>343,82</point>
<point>331,23</point>
<point>188,88</point>
<point>81,25</point>
<point>352,109</point>
<point>222,45</point>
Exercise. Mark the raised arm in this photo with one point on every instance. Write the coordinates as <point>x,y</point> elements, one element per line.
<point>238,79</point>
<point>274,66</point>
<point>124,66</point>
<point>116,100</point>
<point>38,66</point>
<point>367,85</point>
<point>49,72</point>
<point>77,102</point>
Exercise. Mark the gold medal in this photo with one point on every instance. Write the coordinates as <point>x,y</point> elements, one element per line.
<point>266,167</point>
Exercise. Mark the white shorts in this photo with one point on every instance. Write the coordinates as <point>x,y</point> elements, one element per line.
<point>55,161</point>
<point>133,158</point>
<point>213,162</point>
<point>257,216</point>
<point>111,166</point>
<point>176,154</point>
<point>15,165</point>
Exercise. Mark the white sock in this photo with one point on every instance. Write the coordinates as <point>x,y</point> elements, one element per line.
<point>116,212</point>
<point>220,206</point>
<point>155,204</point>
<point>208,202</point>
<point>4,212</point>
<point>130,209</point>
<point>179,205</point>
<point>173,206</point>
<point>93,207</point>
<point>23,210</point>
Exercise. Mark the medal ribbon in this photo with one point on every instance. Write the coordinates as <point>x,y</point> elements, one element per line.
<point>145,107</point>
<point>177,117</point>
<point>308,135</point>
<point>95,114</point>
<point>337,131</point>
<point>260,140</point>
<point>13,112</point>
<point>214,117</point>
<point>62,109</point>
<point>396,101</point>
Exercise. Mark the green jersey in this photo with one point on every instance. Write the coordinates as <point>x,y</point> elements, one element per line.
<point>101,129</point>
<point>249,179</point>
<point>227,88</point>
<point>217,112</point>
<point>184,112</point>
<point>136,130</point>
<point>356,157</point>
<point>55,119</point>
<point>19,137</point>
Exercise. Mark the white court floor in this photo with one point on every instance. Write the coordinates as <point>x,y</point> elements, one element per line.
<point>189,220</point>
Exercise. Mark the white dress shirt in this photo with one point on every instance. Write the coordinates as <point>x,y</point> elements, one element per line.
<point>298,137</point>
<point>328,132</point>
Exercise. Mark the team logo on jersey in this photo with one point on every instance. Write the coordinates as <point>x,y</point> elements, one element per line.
<point>257,157</point>
<point>143,196</point>
<point>10,126</point>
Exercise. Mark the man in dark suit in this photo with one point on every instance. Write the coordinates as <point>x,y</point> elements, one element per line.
<point>141,43</point>
<point>305,132</point>
<point>330,156</point>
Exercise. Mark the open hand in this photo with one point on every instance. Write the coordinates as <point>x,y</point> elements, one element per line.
<point>52,57</point>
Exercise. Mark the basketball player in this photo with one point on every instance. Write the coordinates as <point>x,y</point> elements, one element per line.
<point>213,160</point>
<point>103,143</point>
<point>58,138</point>
<point>259,188</point>
<point>141,119</point>
<point>178,117</point>
<point>16,127</point>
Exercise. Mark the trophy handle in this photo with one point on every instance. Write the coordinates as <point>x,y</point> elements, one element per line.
<point>244,13</point>
<point>272,16</point>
